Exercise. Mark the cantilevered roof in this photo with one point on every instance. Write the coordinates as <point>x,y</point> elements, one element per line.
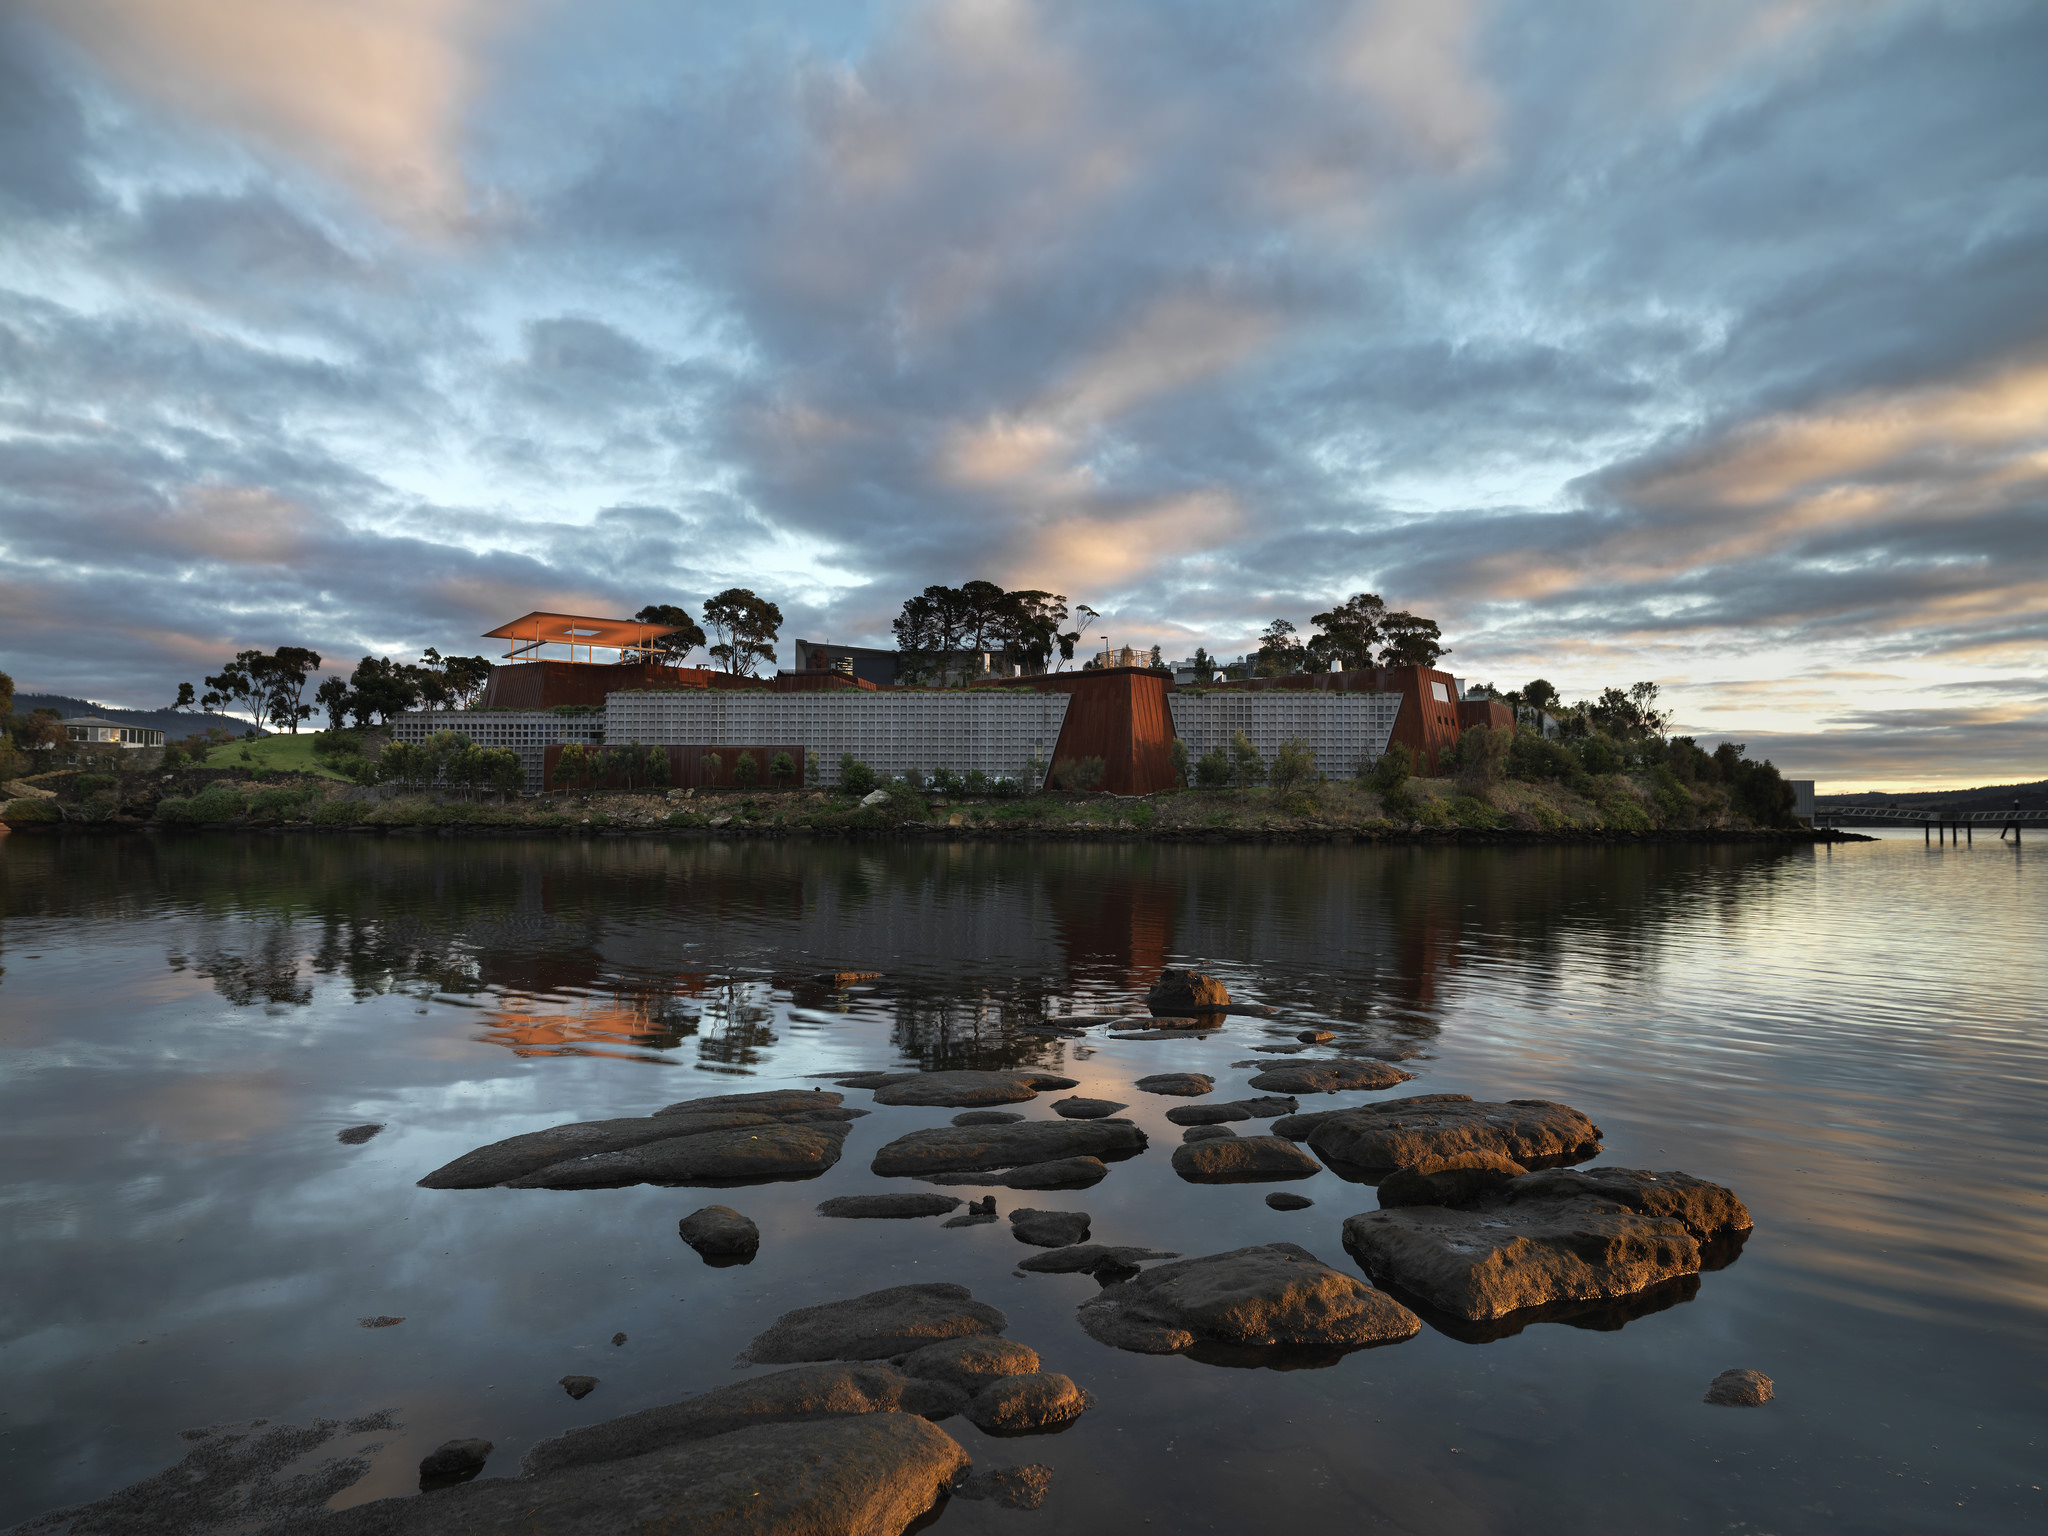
<point>578,629</point>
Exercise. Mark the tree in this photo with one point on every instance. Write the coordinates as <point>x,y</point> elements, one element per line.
<point>1247,767</point>
<point>243,684</point>
<point>572,767</point>
<point>1633,714</point>
<point>669,649</point>
<point>1178,755</point>
<point>1156,659</point>
<point>745,771</point>
<point>185,698</point>
<point>1279,652</point>
<point>1392,769</point>
<point>657,767</point>
<point>381,688</point>
<point>1213,771</point>
<point>1294,764</point>
<point>855,776</point>
<point>459,680</point>
<point>1483,758</point>
<point>334,696</point>
<point>781,768</point>
<point>1351,630</point>
<point>1028,627</point>
<point>284,685</point>
<point>1538,694</point>
<point>1410,641</point>
<point>505,772</point>
<point>1083,617</point>
<point>746,626</point>
<point>1205,666</point>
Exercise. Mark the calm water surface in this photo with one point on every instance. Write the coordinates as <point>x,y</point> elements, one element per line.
<point>1851,1038</point>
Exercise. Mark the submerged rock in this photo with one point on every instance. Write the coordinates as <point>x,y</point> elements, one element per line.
<point>1049,1229</point>
<point>876,1325</point>
<point>1194,1028</point>
<point>975,1149</point>
<point>870,1473</point>
<point>988,1117</point>
<point>1034,1404</point>
<point>1084,1258</point>
<point>1242,1159</point>
<point>1205,1132</point>
<point>966,1090</point>
<point>452,1462</point>
<point>1180,992</point>
<point>578,1387</point>
<point>970,1364</point>
<point>1286,1202</point>
<point>1555,1236</point>
<point>808,1392</point>
<point>1315,1036</point>
<point>1086,1109</point>
<point>1329,1076</point>
<point>774,1102</point>
<point>1739,1389</point>
<point>1274,1295</point>
<point>1453,1180</point>
<point>769,1151</point>
<point>1062,1173</point>
<point>1232,1109</point>
<point>355,1136</point>
<point>1179,1085</point>
<point>890,1207</point>
<point>720,1234</point>
<point>1011,1487</point>
<point>1405,1132</point>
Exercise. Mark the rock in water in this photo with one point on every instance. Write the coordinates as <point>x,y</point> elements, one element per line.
<point>747,1154</point>
<point>1453,1180</point>
<point>1086,1109</point>
<point>893,1207</point>
<point>1739,1389</point>
<point>1206,1132</point>
<point>355,1136</point>
<point>807,1393</point>
<point>1178,992</point>
<point>1036,1404</point>
<point>1011,1487</point>
<point>720,1234</point>
<point>578,1387</point>
<point>1049,1229</point>
<point>517,1156</point>
<point>1242,1159</point>
<point>1404,1132</point>
<point>865,1475</point>
<point>452,1462</point>
<point>1328,1076</point>
<point>1559,1235</point>
<point>1083,1258</point>
<point>1284,1202</point>
<point>979,1149</point>
<point>970,1364</point>
<point>618,1339</point>
<point>1062,1173</point>
<point>1315,1036</point>
<point>988,1117</point>
<point>1232,1109</point>
<point>1180,1085</point>
<point>775,1102</point>
<point>876,1326</point>
<point>1277,1294</point>
<point>964,1090</point>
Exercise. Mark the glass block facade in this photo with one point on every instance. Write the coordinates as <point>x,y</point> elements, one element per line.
<point>529,732</point>
<point>1344,730</point>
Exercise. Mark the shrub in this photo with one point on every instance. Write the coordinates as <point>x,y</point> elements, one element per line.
<point>1077,775</point>
<point>1213,771</point>
<point>1247,767</point>
<point>1294,764</point>
<point>216,804</point>
<point>1294,802</point>
<point>504,771</point>
<point>781,768</point>
<point>84,786</point>
<point>1399,803</point>
<point>712,766</point>
<point>29,813</point>
<point>855,776</point>
<point>1599,754</point>
<point>946,782</point>
<point>1482,759</point>
<point>1623,812</point>
<point>1468,811</point>
<point>1673,798</point>
<point>977,782</point>
<point>1182,767</point>
<point>1534,757</point>
<point>1759,792</point>
<point>347,742</point>
<point>336,813</point>
<point>356,769</point>
<point>278,804</point>
<point>745,771</point>
<point>1393,769</point>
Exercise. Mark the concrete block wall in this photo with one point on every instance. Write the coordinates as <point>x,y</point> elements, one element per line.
<point>998,732</point>
<point>529,732</point>
<point>1344,730</point>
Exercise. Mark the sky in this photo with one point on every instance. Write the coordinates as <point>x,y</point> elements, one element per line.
<point>1704,344</point>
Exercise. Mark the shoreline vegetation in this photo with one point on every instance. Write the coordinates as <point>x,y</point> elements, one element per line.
<point>1617,807</point>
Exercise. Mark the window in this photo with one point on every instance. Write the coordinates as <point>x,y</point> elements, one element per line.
<point>1441,693</point>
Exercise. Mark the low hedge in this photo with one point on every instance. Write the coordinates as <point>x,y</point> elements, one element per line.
<point>215,804</point>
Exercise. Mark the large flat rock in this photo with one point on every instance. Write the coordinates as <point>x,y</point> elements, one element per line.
<point>746,1155</point>
<point>1179,1085</point>
<point>801,1395</point>
<point>1560,1235</point>
<point>985,1148</point>
<point>775,1102</point>
<point>890,1207</point>
<point>875,1326</point>
<point>516,1156</point>
<point>1404,1132</point>
<point>869,1474</point>
<point>1274,1295</point>
<point>960,1090</point>
<point>1080,1258</point>
<point>1231,1109</point>
<point>1242,1160</point>
<point>1329,1076</point>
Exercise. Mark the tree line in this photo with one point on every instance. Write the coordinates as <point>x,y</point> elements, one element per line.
<point>270,687</point>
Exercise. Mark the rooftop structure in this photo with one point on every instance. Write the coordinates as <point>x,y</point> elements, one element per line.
<point>527,638</point>
<point>91,728</point>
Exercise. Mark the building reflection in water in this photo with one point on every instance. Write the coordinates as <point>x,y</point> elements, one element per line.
<point>630,1018</point>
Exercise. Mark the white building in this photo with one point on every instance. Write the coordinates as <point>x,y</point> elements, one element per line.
<point>90,728</point>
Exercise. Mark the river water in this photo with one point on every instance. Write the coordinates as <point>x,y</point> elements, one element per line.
<point>1850,1037</point>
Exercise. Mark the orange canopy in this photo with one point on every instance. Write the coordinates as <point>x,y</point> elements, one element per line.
<point>573,629</point>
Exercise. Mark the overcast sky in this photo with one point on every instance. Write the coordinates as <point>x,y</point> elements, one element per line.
<point>1700,343</point>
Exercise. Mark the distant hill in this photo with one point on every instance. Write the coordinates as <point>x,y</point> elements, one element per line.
<point>1994,797</point>
<point>176,724</point>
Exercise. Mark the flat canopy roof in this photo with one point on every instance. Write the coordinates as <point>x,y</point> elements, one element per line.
<point>578,629</point>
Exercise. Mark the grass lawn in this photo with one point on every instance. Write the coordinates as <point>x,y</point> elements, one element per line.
<point>291,753</point>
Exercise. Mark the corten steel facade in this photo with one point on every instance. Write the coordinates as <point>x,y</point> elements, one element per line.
<point>1428,724</point>
<point>1118,714</point>
<point>696,767</point>
<point>1491,713</point>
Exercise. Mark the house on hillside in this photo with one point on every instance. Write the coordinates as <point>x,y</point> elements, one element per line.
<point>92,730</point>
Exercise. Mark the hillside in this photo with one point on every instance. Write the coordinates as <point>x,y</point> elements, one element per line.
<point>174,723</point>
<point>1991,797</point>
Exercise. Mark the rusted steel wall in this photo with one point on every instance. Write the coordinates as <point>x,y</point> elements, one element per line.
<point>1118,714</point>
<point>1490,713</point>
<point>687,769</point>
<point>546,684</point>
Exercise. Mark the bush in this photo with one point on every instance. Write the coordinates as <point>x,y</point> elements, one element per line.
<point>347,742</point>
<point>30,813</point>
<point>83,786</point>
<point>1399,803</point>
<point>278,804</point>
<point>1077,775</point>
<point>1533,757</point>
<point>1294,764</point>
<point>216,804</point>
<point>1247,767</point>
<point>1182,768</point>
<point>1468,811</point>
<point>1482,759</point>
<point>1623,812</point>
<point>1213,771</point>
<point>745,771</point>
<point>946,782</point>
<point>1393,769</point>
<point>712,766</point>
<point>781,768</point>
<point>336,813</point>
<point>353,767</point>
<point>855,776</point>
<point>1760,792</point>
<point>1673,799</point>
<point>1599,754</point>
